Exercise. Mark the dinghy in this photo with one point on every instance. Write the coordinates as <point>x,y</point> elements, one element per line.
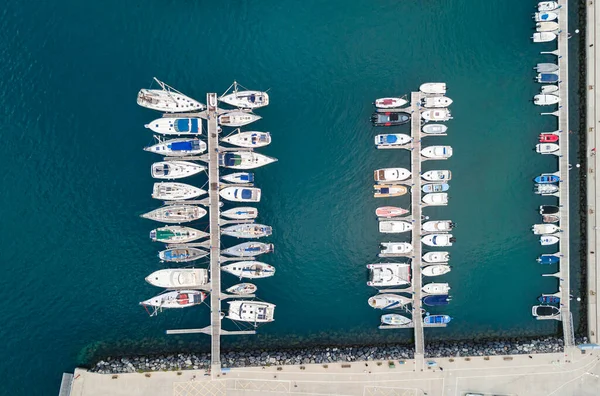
<point>547,27</point>
<point>549,137</point>
<point>241,194</point>
<point>435,187</point>
<point>545,189</point>
<point>435,199</point>
<point>175,214</point>
<point>548,299</point>
<point>242,289</point>
<point>395,320</point>
<point>436,115</point>
<point>388,301</point>
<point>436,300</point>
<point>239,177</point>
<point>391,174</point>
<point>388,248</point>
<point>168,191</point>
<point>544,37</point>
<point>437,175</point>
<point>546,67</point>
<point>248,249</point>
<point>390,103</point>
<point>392,140</point>
<point>545,78</point>
<point>545,100</point>
<point>435,270</point>
<point>249,269</point>
<point>394,226</point>
<point>436,257</point>
<point>179,278</point>
<point>436,101</point>
<point>251,139</point>
<point>434,129</point>
<point>546,178</point>
<point>390,211</point>
<point>177,147</point>
<point>176,126</point>
<point>251,311</point>
<point>548,89</point>
<point>545,311</point>
<point>545,16</point>
<point>436,319</point>
<point>433,88</point>
<point>240,213</point>
<point>182,255</point>
<point>541,229</point>
<point>176,299</point>
<point>250,231</point>
<point>246,99</point>
<point>547,6</point>
<point>548,259</point>
<point>170,170</point>
<point>436,288</point>
<point>389,190</point>
<point>244,160</point>
<point>388,274</point>
<point>167,100</point>
<point>237,118</point>
<point>438,240</point>
<point>390,119</point>
<point>547,148</point>
<point>437,152</point>
<point>546,240</point>
<point>176,234</point>
<point>550,219</point>
<point>549,209</point>
<point>438,226</point>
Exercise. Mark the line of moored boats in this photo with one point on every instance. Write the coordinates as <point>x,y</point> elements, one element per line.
<point>546,22</point>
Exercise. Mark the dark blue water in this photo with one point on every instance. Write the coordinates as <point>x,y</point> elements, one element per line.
<point>75,252</point>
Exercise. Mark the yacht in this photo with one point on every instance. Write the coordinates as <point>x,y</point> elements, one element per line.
<point>545,16</point>
<point>167,99</point>
<point>170,170</point>
<point>437,152</point>
<point>391,174</point>
<point>395,248</point>
<point>182,254</point>
<point>548,6</point>
<point>433,88</point>
<point>176,234</point>
<point>436,288</point>
<point>547,27</point>
<point>545,100</point>
<point>438,226</point>
<point>390,103</point>
<point>391,140</point>
<point>176,299</point>
<point>177,147</point>
<point>250,231</point>
<point>179,278</point>
<point>436,101</point>
<point>249,269</point>
<point>435,199</point>
<point>435,187</point>
<point>437,176</point>
<point>239,178</point>
<point>248,249</point>
<point>241,213</point>
<point>388,274</point>
<point>394,226</point>
<point>545,312</point>
<point>242,289</point>
<point>436,115</point>
<point>388,301</point>
<point>542,229</point>
<point>251,139</point>
<point>546,68</point>
<point>544,37</point>
<point>389,190</point>
<point>547,148</point>
<point>176,126</point>
<point>168,191</point>
<point>438,240</point>
<point>246,99</point>
<point>547,240</point>
<point>241,194</point>
<point>436,257</point>
<point>243,160</point>
<point>175,214</point>
<point>395,320</point>
<point>251,311</point>
<point>237,118</point>
<point>434,129</point>
<point>435,270</point>
<point>547,78</point>
<point>546,189</point>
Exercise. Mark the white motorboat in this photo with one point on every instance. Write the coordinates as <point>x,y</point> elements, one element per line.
<point>170,170</point>
<point>547,148</point>
<point>436,115</point>
<point>176,299</point>
<point>433,88</point>
<point>388,248</point>
<point>179,278</point>
<point>548,6</point>
<point>169,191</point>
<point>390,211</point>
<point>545,16</point>
<point>395,320</point>
<point>545,189</point>
<point>167,99</point>
<point>177,147</point>
<point>391,140</point>
<point>436,101</point>
<point>435,187</point>
<point>548,89</point>
<point>435,270</point>
<point>177,234</point>
<point>435,199</point>
<point>547,27</point>
<point>438,226</point>
<point>436,288</point>
<point>252,139</point>
<point>545,100</point>
<point>437,152</point>
<point>250,231</point>
<point>391,174</point>
<point>245,99</point>
<point>240,213</point>
<point>182,254</point>
<point>394,226</point>
<point>436,257</point>
<point>388,274</point>
<point>241,194</point>
<point>438,240</point>
<point>437,175</point>
<point>251,311</point>
<point>244,160</point>
<point>237,118</point>
<point>175,214</point>
<point>176,126</point>
<point>390,103</point>
<point>543,37</point>
<point>242,289</point>
<point>546,240</point>
<point>248,249</point>
<point>546,67</point>
<point>434,129</point>
<point>239,178</point>
<point>388,301</point>
<point>249,269</point>
<point>541,229</point>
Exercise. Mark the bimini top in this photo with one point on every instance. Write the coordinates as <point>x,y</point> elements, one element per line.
<point>188,145</point>
<point>189,125</point>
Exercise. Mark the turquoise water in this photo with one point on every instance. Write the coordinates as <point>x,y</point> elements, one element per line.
<point>75,253</point>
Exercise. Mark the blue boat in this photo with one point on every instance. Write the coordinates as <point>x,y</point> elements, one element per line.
<point>435,300</point>
<point>547,78</point>
<point>547,179</point>
<point>548,259</point>
<point>548,299</point>
<point>435,187</point>
<point>437,319</point>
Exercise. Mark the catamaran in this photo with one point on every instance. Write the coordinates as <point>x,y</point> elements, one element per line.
<point>176,234</point>
<point>176,126</point>
<point>177,147</point>
<point>388,274</point>
<point>168,191</point>
<point>175,214</point>
<point>170,170</point>
<point>244,160</point>
<point>249,269</point>
<point>248,249</point>
<point>252,139</point>
<point>179,278</point>
<point>245,99</point>
<point>167,99</point>
<point>251,311</point>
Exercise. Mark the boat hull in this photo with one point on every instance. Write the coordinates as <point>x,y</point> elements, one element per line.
<point>390,211</point>
<point>241,213</point>
<point>241,194</point>
<point>237,119</point>
<point>437,240</point>
<point>182,255</point>
<point>436,257</point>
<point>250,269</point>
<point>176,126</point>
<point>179,278</point>
<point>248,249</point>
<point>394,227</point>
<point>433,88</point>
<point>176,299</point>
<point>390,103</point>
<point>248,231</point>
<point>176,214</point>
<point>171,170</point>
<point>242,289</point>
<point>176,234</point>
<point>251,139</point>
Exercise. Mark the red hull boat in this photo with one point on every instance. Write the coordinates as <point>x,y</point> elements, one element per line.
<point>548,138</point>
<point>390,211</point>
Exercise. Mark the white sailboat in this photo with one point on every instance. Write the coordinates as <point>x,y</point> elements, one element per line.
<point>252,139</point>
<point>167,99</point>
<point>249,269</point>
<point>244,160</point>
<point>176,126</point>
<point>182,254</point>
<point>239,178</point>
<point>179,278</point>
<point>240,213</point>
<point>176,234</point>
<point>176,214</point>
<point>170,170</point>
<point>245,99</point>
<point>248,249</point>
<point>177,147</point>
<point>170,191</point>
<point>242,289</point>
<point>250,231</point>
<point>237,118</point>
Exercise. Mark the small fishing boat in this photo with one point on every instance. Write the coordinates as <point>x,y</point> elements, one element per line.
<point>547,26</point>
<point>394,226</point>
<point>545,16</point>
<point>548,299</point>
<point>546,178</point>
<point>388,274</point>
<point>547,148</point>
<point>241,213</point>
<point>237,118</point>
<point>244,160</point>
<point>544,37</point>
<point>395,248</point>
<point>438,240</point>
<point>545,311</point>
<point>241,194</point>
<point>436,115</point>
<point>437,175</point>
<point>436,257</point>
<point>547,6</point>
<point>249,269</point>
<point>545,78</point>
<point>435,199</point>
<point>545,100</point>
<point>239,177</point>
<point>395,320</point>
<point>176,126</point>
<point>434,129</point>
<point>251,311</point>
<point>390,103</point>
<point>437,152</point>
<point>390,211</point>
<point>549,137</point>
<point>547,240</point>
<point>548,259</point>
<point>389,190</point>
<point>167,100</point>
<point>248,139</point>
<point>388,301</point>
<point>250,231</point>
<point>175,169</point>
<point>433,88</point>
<point>550,218</point>
<point>391,174</point>
<point>248,249</point>
<point>436,300</point>
<point>176,234</point>
<point>390,119</point>
<point>541,229</point>
<point>435,270</point>
<point>246,99</point>
<point>549,209</point>
<point>438,226</point>
<point>436,288</point>
<point>169,191</point>
<point>548,89</point>
<point>546,67</point>
<point>435,187</point>
<point>176,299</point>
<point>242,289</point>
<point>436,101</point>
<point>179,278</point>
<point>175,214</point>
<point>545,189</point>
<point>392,140</point>
<point>177,147</point>
<point>437,319</point>
<point>182,255</point>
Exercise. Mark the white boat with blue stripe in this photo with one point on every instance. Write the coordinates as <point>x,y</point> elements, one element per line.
<point>177,147</point>
<point>241,194</point>
<point>392,140</point>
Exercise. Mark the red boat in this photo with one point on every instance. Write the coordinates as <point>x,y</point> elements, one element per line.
<point>390,211</point>
<point>548,138</point>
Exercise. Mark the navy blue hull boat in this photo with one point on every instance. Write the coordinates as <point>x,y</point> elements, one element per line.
<point>548,299</point>
<point>436,300</point>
